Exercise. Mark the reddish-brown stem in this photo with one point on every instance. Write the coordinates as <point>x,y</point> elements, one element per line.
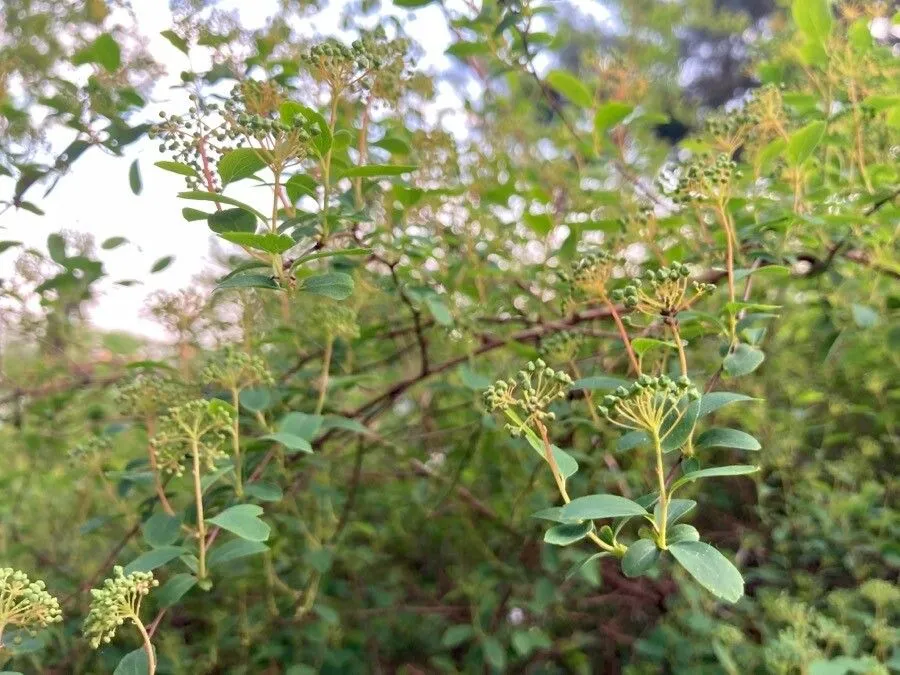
<point>632,357</point>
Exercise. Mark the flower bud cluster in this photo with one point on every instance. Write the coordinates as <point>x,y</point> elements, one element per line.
<point>345,65</point>
<point>237,370</point>
<point>114,603</point>
<point>199,426</point>
<point>591,274</point>
<point>662,291</point>
<point>561,347</point>
<point>646,404</point>
<point>24,603</point>
<point>145,396</point>
<point>732,128</point>
<point>91,450</point>
<point>529,394</point>
<point>705,180</point>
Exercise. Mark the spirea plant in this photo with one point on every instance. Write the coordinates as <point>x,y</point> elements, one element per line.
<point>307,474</point>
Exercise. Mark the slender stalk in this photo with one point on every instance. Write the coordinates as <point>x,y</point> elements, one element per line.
<point>676,335</point>
<point>236,444</point>
<point>198,499</point>
<point>323,380</point>
<point>632,358</point>
<point>157,480</point>
<point>730,238</point>
<point>561,483</point>
<point>663,497</point>
<point>148,646</point>
<point>326,167</point>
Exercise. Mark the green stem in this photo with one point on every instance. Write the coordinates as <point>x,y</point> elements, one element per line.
<point>326,167</point>
<point>663,497</point>
<point>201,523</point>
<point>236,444</point>
<point>326,366</point>
<point>148,646</point>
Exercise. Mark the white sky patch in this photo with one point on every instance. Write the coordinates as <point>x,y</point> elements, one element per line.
<point>95,196</point>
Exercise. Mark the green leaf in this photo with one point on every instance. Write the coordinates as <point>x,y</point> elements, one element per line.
<point>56,247</point>
<point>373,170</point>
<point>290,441</point>
<point>494,653</point>
<point>539,223</point>
<point>162,264</point>
<point>133,663</point>
<point>247,281</point>
<point>718,437</point>
<point>715,472</point>
<point>601,506</point>
<point>200,195</point>
<point>710,569</point>
<point>300,185</point>
<point>571,87</point>
<point>803,142</point>
<point>243,520</point>
<point>192,215</point>
<point>264,491</point>
<point>231,220</point>
<point>234,550</point>
<point>642,345</point>
<point>601,382</point>
<point>268,242</point>
<point>161,529</point>
<point>743,360</point>
<point>681,532</point>
<point>474,380</point>
<point>177,167</point>
<point>256,399</point>
<point>6,245</point>
<point>631,440</point>
<point>334,285</point>
<point>238,164</point>
<point>439,310</point>
<point>174,589</point>
<point>864,316</point>
<point>813,18</point>
<point>713,401</point>
<point>103,51</point>
<point>584,563</point>
<point>301,424</point>
<point>567,533</point>
<point>412,4</point>
<point>677,435</point>
<point>464,50</point>
<point>113,242</point>
<point>456,635</point>
<point>157,557</point>
<point>345,423</point>
<point>639,558</point>
<point>678,509</point>
<point>395,146</point>
<point>134,178</point>
<point>610,114</point>
<point>175,40</point>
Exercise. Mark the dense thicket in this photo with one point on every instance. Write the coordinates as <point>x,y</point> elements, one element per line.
<point>593,371</point>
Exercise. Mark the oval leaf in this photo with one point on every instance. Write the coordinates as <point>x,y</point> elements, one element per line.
<point>243,520</point>
<point>727,438</point>
<point>640,557</point>
<point>710,569</point>
<point>601,506</point>
<point>569,85</point>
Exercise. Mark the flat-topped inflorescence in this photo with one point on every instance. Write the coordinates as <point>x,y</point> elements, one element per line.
<point>662,292</point>
<point>25,604</point>
<point>561,347</point>
<point>648,404</point>
<point>91,450</point>
<point>237,370</point>
<point>525,398</point>
<point>705,180</point>
<point>590,275</point>
<point>118,600</point>
<point>198,426</point>
<point>146,395</point>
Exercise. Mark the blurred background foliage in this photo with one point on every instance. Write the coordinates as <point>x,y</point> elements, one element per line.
<point>404,542</point>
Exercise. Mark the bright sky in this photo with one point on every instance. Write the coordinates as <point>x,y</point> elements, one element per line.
<point>95,196</point>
